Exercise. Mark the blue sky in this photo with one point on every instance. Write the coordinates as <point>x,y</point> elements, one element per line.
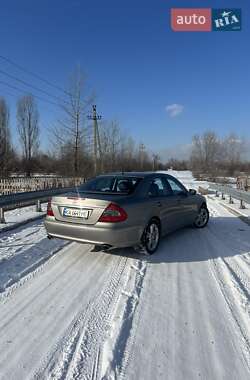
<point>135,64</point>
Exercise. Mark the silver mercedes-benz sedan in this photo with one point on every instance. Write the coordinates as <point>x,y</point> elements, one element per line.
<point>125,209</point>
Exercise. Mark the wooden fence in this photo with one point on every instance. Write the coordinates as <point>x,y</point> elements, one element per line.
<point>23,184</point>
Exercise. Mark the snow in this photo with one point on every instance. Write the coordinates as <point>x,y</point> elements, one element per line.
<point>186,177</point>
<point>69,312</point>
<point>234,206</point>
<point>23,250</point>
<point>21,215</point>
<point>198,316</point>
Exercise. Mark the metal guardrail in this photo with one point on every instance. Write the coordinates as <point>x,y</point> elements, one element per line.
<point>12,201</point>
<point>240,195</point>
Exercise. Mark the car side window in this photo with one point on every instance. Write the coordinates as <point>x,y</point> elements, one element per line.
<point>125,185</point>
<point>157,188</point>
<point>176,187</point>
<point>103,184</point>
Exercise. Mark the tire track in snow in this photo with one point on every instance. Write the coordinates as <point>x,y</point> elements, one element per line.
<point>196,319</point>
<point>117,350</point>
<point>38,329</point>
<point>240,321</point>
<point>246,259</point>
<point>52,303</point>
<point>240,281</point>
<point>244,270</point>
<point>233,283</point>
<point>78,349</point>
<point>21,305</point>
<point>85,361</point>
<point>240,274</point>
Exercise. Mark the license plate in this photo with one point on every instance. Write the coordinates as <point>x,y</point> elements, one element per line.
<point>75,213</point>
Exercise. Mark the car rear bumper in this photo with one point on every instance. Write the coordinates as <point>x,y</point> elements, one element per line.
<point>116,235</point>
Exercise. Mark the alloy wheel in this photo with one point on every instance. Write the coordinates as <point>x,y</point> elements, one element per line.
<point>152,237</point>
<point>202,218</point>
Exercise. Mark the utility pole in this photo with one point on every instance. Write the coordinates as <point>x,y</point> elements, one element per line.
<point>76,163</point>
<point>97,143</point>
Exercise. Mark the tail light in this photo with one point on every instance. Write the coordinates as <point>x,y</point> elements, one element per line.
<point>49,209</point>
<point>113,214</point>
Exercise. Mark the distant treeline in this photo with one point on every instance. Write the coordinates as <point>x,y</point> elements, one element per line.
<point>71,143</point>
<point>214,157</point>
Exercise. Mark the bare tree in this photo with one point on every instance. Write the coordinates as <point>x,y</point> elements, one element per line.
<point>233,147</point>
<point>119,151</point>
<point>211,148</point>
<point>111,139</point>
<point>5,146</point>
<point>218,157</point>
<point>205,151</point>
<point>155,159</point>
<point>71,130</point>
<point>28,129</point>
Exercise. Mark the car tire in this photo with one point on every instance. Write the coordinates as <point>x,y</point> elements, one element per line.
<point>151,238</point>
<point>203,217</point>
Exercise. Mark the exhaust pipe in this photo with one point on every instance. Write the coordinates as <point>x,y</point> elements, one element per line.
<point>106,247</point>
<point>101,247</point>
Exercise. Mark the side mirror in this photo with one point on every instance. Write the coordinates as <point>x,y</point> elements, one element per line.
<point>192,191</point>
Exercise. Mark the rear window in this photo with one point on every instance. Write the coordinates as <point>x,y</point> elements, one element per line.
<point>111,184</point>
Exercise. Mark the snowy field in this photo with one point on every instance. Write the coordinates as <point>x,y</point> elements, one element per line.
<point>70,313</point>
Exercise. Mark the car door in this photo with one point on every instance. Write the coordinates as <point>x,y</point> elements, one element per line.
<point>156,195</point>
<point>163,204</point>
<point>185,204</point>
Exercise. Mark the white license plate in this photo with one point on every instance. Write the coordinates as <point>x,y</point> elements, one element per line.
<point>75,213</point>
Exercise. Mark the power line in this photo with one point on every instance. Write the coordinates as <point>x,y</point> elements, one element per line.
<point>35,96</point>
<point>11,94</point>
<point>38,77</point>
<point>7,93</point>
<point>30,85</point>
<point>33,74</point>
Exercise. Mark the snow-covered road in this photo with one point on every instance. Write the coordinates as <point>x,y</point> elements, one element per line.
<point>180,314</point>
<point>194,323</point>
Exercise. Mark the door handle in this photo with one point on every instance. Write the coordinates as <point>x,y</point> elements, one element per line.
<point>158,204</point>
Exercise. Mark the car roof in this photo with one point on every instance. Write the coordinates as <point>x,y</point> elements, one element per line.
<point>136,174</point>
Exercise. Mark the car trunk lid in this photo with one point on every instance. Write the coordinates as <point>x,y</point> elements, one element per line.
<point>82,208</point>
